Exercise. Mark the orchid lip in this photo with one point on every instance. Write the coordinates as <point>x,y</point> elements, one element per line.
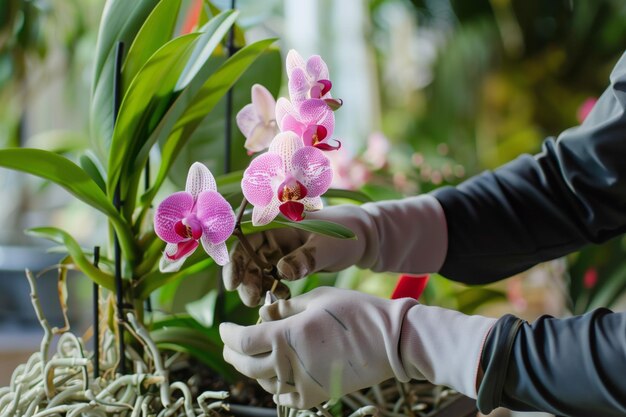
<point>293,210</point>
<point>325,146</point>
<point>183,248</point>
<point>291,190</point>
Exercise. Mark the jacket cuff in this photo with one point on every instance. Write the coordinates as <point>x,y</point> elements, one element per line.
<point>495,361</point>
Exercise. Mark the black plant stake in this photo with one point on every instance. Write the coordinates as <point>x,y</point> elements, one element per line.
<point>96,318</point>
<point>230,46</point>
<point>117,255</point>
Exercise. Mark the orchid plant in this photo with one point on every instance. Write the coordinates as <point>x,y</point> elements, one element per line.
<point>288,179</point>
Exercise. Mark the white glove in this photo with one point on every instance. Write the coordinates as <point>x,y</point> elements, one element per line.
<point>330,342</point>
<point>408,235</point>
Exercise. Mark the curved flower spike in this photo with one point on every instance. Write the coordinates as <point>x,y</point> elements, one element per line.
<point>257,120</point>
<point>288,179</point>
<point>308,79</point>
<point>314,122</point>
<point>198,214</point>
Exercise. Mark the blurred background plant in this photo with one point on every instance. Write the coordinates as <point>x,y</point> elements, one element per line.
<point>434,92</point>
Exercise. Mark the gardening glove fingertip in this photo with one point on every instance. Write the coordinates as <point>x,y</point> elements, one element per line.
<point>297,264</point>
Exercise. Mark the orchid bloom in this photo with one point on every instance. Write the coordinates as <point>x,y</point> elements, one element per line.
<point>287,179</point>
<point>313,121</point>
<point>308,79</point>
<point>199,213</point>
<point>257,121</point>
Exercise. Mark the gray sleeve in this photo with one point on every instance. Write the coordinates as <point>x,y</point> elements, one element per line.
<point>573,367</point>
<point>544,206</point>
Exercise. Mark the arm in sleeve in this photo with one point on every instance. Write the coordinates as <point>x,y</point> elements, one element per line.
<point>541,207</point>
<point>572,366</point>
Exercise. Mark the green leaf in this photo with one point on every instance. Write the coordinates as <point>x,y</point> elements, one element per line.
<point>90,163</point>
<point>156,31</point>
<point>203,310</point>
<point>321,227</point>
<point>196,343</point>
<point>57,235</point>
<point>156,279</point>
<point>151,95</point>
<point>59,141</point>
<point>121,19</point>
<point>61,171</point>
<point>70,176</point>
<point>175,135</point>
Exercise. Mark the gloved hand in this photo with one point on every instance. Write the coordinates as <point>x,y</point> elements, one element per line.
<point>330,342</point>
<point>407,235</point>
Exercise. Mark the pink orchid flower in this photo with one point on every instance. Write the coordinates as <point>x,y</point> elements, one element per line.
<point>199,213</point>
<point>257,120</point>
<point>313,121</point>
<point>288,179</point>
<point>307,79</point>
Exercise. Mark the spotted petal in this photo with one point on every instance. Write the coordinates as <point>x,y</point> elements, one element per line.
<point>199,179</point>
<point>171,210</point>
<point>216,215</point>
<point>217,251</point>
<point>312,203</point>
<point>312,168</point>
<point>299,86</point>
<point>294,60</point>
<point>316,111</point>
<point>317,68</point>
<point>261,178</point>
<point>262,215</point>
<point>285,145</point>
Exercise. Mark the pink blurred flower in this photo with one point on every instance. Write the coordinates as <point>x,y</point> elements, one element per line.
<point>307,79</point>
<point>257,120</point>
<point>312,120</point>
<point>590,279</point>
<point>199,213</point>
<point>348,172</point>
<point>288,179</point>
<point>378,147</point>
<point>585,108</point>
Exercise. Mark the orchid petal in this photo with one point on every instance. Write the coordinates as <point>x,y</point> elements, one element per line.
<point>173,258</point>
<point>199,179</point>
<point>283,108</point>
<point>293,210</point>
<point>317,68</point>
<point>292,124</point>
<point>172,210</point>
<point>285,145</point>
<point>312,168</point>
<point>261,177</point>
<point>312,203</point>
<point>263,103</point>
<point>298,85</point>
<point>326,146</point>
<point>294,60</point>
<point>260,138</point>
<point>316,111</point>
<point>216,215</point>
<point>217,251</point>
<point>262,215</point>
<point>247,119</point>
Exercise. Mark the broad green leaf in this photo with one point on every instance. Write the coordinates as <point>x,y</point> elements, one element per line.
<point>153,280</point>
<point>90,163</point>
<point>74,179</point>
<point>196,343</point>
<point>321,227</point>
<point>207,143</point>
<point>73,248</point>
<point>203,310</point>
<point>121,19</point>
<point>59,170</point>
<point>208,96</point>
<point>156,31</point>
<point>151,95</point>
